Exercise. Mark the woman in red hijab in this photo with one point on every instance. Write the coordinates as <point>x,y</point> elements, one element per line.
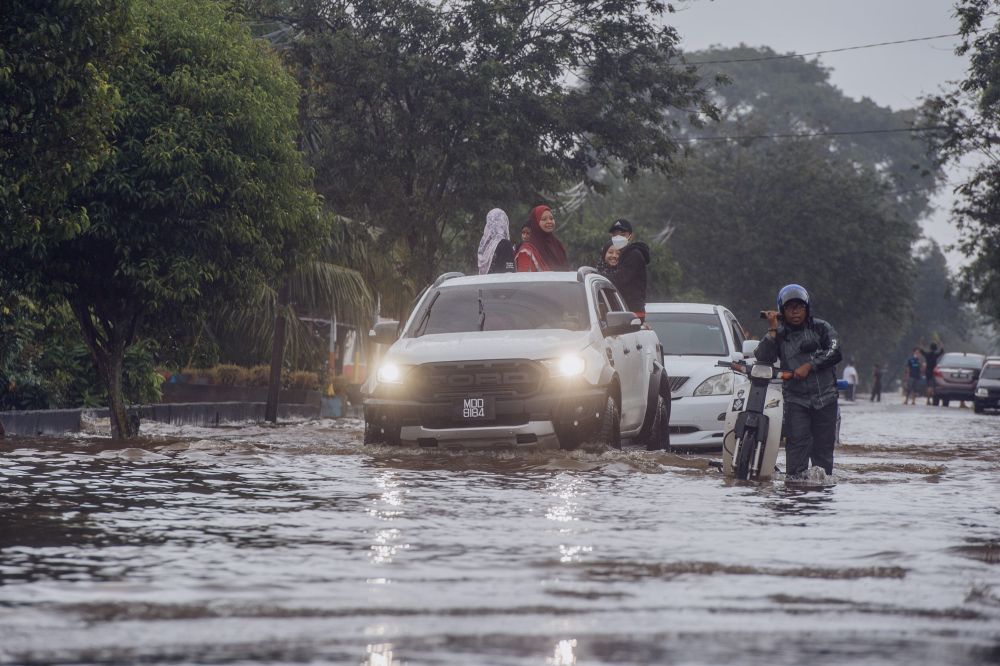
<point>542,251</point>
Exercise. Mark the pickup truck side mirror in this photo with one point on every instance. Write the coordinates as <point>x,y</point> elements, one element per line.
<point>621,322</point>
<point>384,332</point>
<point>749,347</point>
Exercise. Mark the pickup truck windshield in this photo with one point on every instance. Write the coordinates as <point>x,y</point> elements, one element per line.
<point>688,333</point>
<point>504,307</point>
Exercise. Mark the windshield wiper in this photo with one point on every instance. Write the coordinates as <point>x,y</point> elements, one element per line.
<point>419,330</point>
<point>482,311</point>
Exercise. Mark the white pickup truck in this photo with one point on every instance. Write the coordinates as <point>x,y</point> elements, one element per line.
<point>539,360</point>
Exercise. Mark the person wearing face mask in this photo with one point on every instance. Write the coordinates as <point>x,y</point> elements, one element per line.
<point>631,276</point>
<point>542,251</point>
<point>810,349</point>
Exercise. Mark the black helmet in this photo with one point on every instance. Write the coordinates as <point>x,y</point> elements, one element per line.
<point>793,292</point>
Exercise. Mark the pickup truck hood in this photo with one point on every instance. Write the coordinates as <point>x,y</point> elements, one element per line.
<point>486,345</point>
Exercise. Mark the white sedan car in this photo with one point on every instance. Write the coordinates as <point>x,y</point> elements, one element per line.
<point>695,337</point>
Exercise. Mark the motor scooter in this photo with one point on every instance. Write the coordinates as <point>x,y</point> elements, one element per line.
<point>753,423</point>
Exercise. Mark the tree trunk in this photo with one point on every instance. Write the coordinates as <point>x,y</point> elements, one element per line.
<point>277,356</point>
<point>107,349</point>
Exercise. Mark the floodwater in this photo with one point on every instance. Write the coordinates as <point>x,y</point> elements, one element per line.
<point>297,544</point>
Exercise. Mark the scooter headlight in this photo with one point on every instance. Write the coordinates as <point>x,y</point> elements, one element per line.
<point>569,365</point>
<point>762,371</point>
<point>716,385</point>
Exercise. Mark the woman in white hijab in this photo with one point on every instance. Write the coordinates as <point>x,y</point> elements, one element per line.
<point>496,252</point>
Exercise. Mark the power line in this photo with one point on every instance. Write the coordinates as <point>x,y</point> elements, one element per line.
<point>802,55</point>
<point>806,135</point>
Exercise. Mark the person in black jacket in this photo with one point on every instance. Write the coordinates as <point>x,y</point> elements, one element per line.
<point>631,276</point>
<point>496,252</point>
<point>810,348</point>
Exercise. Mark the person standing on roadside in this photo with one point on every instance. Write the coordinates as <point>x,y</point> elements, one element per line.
<point>877,373</point>
<point>851,377</point>
<point>810,349</point>
<point>543,251</point>
<point>912,382</point>
<point>496,252</point>
<point>631,277</point>
<point>931,358</point>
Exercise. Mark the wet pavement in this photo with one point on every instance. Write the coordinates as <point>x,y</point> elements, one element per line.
<point>297,544</point>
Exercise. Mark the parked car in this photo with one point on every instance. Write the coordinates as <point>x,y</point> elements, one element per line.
<point>694,337</point>
<point>987,394</point>
<point>955,376</point>
<point>518,360</point>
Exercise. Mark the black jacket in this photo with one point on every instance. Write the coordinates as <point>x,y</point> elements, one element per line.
<point>819,389</point>
<point>631,276</point>
<point>503,258</point>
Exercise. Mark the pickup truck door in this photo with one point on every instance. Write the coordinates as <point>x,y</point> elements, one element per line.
<point>627,351</point>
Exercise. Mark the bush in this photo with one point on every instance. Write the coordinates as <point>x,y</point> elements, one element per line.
<point>232,375</point>
<point>258,375</point>
<point>303,379</point>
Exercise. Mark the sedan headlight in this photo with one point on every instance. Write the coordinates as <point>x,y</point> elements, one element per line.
<point>390,373</point>
<point>982,392</point>
<point>716,385</point>
<point>569,365</point>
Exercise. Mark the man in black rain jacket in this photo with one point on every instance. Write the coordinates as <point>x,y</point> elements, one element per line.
<point>631,275</point>
<point>810,348</point>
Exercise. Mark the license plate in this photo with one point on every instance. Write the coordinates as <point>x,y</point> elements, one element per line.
<point>474,409</point>
<point>960,375</point>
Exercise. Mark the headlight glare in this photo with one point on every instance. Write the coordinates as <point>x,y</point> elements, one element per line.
<point>716,385</point>
<point>568,365</point>
<point>390,373</point>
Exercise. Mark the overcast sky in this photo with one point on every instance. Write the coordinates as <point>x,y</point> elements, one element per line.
<point>896,75</point>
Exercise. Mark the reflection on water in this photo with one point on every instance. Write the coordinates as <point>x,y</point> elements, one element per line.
<point>563,655</point>
<point>297,544</point>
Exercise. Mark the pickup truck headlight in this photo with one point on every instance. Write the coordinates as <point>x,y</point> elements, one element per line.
<point>570,365</point>
<point>982,392</point>
<point>716,385</point>
<point>390,373</point>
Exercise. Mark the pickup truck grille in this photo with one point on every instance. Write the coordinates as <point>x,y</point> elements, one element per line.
<point>507,379</point>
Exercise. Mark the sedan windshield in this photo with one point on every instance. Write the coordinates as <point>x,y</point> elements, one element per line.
<point>964,361</point>
<point>689,333</point>
<point>991,372</point>
<point>504,307</point>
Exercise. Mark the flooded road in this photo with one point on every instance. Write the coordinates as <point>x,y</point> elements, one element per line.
<point>296,544</point>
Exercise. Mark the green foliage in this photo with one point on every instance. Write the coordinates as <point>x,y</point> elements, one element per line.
<point>794,95</point>
<point>45,365</point>
<point>748,219</point>
<point>57,104</point>
<point>971,114</point>
<point>419,116</point>
<point>204,193</point>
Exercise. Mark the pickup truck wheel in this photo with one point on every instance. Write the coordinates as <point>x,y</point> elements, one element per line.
<point>385,432</point>
<point>658,438</point>
<point>608,432</point>
<point>373,434</point>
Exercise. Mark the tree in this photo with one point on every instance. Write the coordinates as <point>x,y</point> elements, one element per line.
<point>203,194</point>
<point>748,219</point>
<point>56,105</point>
<point>775,94</point>
<point>422,116</point>
<point>971,115</point>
